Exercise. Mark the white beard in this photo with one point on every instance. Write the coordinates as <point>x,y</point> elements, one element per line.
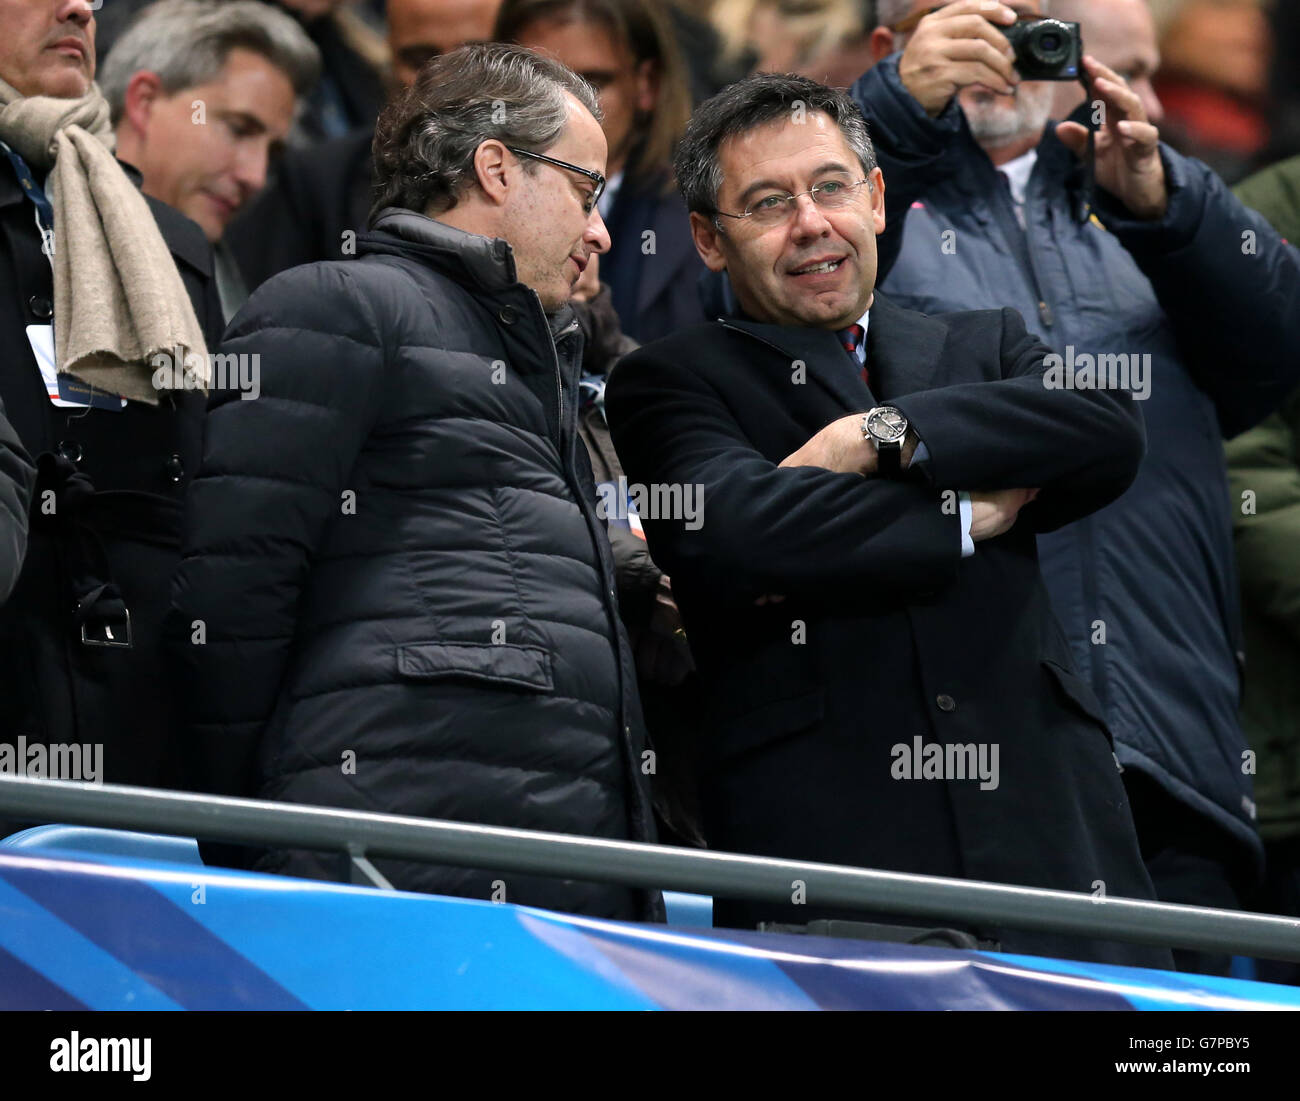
<point>994,123</point>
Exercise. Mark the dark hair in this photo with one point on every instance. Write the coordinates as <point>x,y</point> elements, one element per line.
<point>750,103</point>
<point>646,29</point>
<point>426,138</point>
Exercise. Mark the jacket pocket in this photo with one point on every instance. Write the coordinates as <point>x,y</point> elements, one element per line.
<point>1078,693</point>
<point>526,667</point>
<point>765,724</point>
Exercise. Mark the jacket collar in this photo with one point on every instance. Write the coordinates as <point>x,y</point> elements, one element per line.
<point>484,262</point>
<point>903,350</point>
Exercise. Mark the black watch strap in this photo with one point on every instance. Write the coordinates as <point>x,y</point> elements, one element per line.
<point>889,457</point>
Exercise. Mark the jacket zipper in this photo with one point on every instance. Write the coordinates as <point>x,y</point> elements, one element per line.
<point>1022,247</point>
<point>640,797</point>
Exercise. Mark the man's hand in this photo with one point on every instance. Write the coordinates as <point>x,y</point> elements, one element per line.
<point>1128,145</point>
<point>841,447</point>
<point>662,654</point>
<point>993,513</point>
<point>957,46</point>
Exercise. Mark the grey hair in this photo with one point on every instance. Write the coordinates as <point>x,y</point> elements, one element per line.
<point>426,139</point>
<point>186,42</point>
<point>741,107</point>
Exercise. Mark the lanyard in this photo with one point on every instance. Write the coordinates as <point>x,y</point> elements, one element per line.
<point>33,191</point>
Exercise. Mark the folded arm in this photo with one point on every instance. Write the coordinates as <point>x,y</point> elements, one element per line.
<point>1080,447</point>
<point>794,531</point>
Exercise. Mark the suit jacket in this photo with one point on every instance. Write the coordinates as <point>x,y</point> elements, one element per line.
<point>319,193</point>
<point>654,280</point>
<point>886,634</point>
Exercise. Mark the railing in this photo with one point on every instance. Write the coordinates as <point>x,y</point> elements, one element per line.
<point>362,836</point>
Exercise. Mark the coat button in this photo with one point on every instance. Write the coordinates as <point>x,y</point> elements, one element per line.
<point>175,468</point>
<point>945,703</point>
<point>508,315</point>
<point>40,307</point>
<point>70,450</point>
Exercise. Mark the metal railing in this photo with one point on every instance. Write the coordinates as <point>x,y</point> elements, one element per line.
<point>362,836</point>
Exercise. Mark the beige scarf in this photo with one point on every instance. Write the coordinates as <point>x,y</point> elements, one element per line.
<point>118,298</point>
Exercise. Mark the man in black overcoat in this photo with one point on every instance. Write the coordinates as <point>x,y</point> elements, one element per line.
<point>79,634</point>
<point>887,686</point>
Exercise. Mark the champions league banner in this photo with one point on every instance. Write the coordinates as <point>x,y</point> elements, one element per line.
<point>91,932</point>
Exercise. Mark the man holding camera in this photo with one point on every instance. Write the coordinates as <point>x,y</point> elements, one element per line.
<point>1145,267</point>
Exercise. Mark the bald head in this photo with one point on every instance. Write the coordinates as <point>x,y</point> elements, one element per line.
<point>1121,34</point>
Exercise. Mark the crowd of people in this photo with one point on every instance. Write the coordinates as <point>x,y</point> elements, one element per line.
<point>787,429</point>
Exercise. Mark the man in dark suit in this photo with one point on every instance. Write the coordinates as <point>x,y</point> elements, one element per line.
<point>887,685</point>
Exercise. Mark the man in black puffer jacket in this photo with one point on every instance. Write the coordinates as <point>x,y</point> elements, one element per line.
<point>396,593</point>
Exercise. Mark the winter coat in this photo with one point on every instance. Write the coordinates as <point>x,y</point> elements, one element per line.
<point>396,594</point>
<point>106,511</point>
<point>1146,589</point>
<point>16,477</point>
<point>1264,471</point>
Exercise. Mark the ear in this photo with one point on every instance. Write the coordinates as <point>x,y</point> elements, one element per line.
<point>143,91</point>
<point>882,44</point>
<point>877,198</point>
<point>708,242</point>
<point>492,164</point>
<point>647,85</point>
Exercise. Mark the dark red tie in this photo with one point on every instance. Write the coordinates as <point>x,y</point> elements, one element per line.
<point>852,338</point>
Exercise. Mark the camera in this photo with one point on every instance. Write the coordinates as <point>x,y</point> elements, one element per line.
<point>1046,49</point>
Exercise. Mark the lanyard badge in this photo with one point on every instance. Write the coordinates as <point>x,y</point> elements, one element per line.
<point>36,194</point>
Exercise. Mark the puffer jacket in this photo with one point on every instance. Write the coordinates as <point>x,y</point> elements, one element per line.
<point>396,594</point>
<point>1145,588</point>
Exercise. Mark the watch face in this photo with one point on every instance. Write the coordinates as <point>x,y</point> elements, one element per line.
<point>887,424</point>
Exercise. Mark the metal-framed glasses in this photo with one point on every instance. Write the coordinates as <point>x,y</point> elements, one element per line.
<point>775,208</point>
<point>589,204</point>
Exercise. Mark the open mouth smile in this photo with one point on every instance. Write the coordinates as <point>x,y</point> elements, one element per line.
<point>822,268</point>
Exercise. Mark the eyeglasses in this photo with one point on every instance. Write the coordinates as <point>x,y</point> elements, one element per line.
<point>595,177</point>
<point>772,210</point>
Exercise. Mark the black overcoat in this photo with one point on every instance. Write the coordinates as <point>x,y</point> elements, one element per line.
<point>886,634</point>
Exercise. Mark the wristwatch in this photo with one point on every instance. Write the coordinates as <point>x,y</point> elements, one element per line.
<point>886,427</point>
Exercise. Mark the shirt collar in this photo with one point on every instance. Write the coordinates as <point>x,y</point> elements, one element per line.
<point>1018,172</point>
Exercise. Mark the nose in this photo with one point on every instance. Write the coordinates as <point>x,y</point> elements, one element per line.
<point>809,218</point>
<point>596,234</point>
<point>252,163</point>
<point>1150,101</point>
<point>76,11</point>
